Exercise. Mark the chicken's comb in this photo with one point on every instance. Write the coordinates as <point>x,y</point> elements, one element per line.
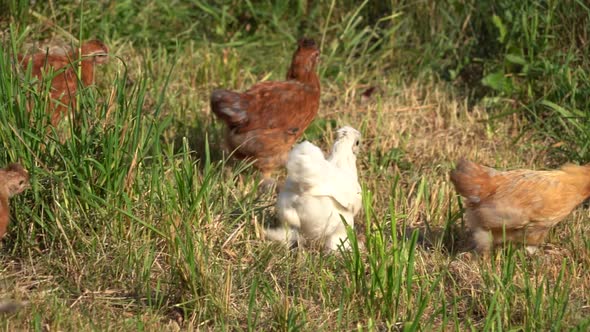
<point>307,43</point>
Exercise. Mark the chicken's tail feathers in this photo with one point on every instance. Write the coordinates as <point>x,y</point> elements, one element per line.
<point>230,107</point>
<point>472,181</point>
<point>306,165</point>
<point>286,235</point>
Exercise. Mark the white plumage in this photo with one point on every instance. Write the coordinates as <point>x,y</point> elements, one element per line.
<point>318,191</point>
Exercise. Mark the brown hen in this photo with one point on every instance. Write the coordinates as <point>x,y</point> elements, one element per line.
<point>264,122</point>
<point>518,205</point>
<point>62,69</point>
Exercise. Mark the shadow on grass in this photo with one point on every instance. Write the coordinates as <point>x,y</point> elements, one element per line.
<point>452,239</point>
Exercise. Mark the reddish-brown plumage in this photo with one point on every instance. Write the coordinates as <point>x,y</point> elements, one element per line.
<point>14,179</point>
<point>62,69</point>
<point>518,205</point>
<point>265,121</point>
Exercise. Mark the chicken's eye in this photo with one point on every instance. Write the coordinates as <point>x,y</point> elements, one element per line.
<point>357,143</point>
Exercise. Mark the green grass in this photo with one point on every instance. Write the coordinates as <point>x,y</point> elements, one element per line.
<point>138,220</point>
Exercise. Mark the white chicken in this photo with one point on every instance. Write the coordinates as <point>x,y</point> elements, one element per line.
<point>319,194</point>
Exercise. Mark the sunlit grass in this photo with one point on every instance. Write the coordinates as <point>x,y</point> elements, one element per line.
<point>136,218</point>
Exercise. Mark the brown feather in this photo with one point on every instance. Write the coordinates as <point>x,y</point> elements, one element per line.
<point>62,69</point>
<point>267,119</point>
<point>14,179</point>
<point>522,205</point>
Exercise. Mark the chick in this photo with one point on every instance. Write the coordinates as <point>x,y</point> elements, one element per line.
<point>14,179</point>
<point>319,193</point>
<point>519,205</point>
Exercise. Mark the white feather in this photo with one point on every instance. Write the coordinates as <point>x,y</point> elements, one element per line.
<point>320,193</point>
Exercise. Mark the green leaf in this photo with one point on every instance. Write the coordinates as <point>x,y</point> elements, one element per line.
<point>498,81</point>
<point>501,28</point>
<point>516,59</point>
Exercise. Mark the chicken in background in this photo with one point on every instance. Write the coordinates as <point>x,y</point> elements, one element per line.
<point>62,67</point>
<point>518,205</point>
<point>264,122</point>
<point>14,179</point>
<point>10,306</point>
<point>320,193</point>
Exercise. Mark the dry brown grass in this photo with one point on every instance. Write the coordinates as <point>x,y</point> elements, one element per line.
<point>413,133</point>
